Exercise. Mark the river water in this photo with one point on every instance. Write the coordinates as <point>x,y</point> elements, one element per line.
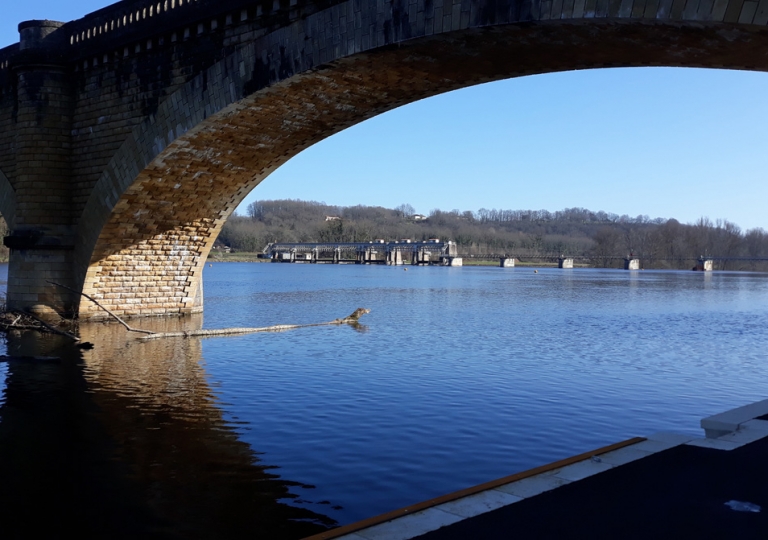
<point>456,377</point>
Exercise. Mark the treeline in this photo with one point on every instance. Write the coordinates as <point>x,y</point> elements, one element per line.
<point>604,238</point>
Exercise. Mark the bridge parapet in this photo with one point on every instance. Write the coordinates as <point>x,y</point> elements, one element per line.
<point>129,27</point>
<point>6,54</point>
<point>129,21</point>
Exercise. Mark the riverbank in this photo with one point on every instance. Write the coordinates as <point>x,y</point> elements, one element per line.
<point>237,256</point>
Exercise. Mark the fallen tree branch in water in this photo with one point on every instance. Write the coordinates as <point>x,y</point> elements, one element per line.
<point>118,319</point>
<point>49,327</point>
<point>27,321</point>
<point>353,319</point>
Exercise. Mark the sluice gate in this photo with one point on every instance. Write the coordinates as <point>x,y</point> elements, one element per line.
<point>430,252</point>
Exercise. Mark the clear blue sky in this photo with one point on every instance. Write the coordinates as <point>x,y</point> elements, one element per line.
<point>680,143</point>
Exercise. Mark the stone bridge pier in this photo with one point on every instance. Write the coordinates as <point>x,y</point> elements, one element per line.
<point>129,136</point>
<point>43,238</point>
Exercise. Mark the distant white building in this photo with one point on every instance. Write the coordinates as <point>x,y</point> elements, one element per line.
<point>332,218</point>
<point>419,217</point>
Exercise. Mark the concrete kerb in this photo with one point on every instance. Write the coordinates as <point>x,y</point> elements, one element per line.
<point>717,425</point>
<point>417,510</point>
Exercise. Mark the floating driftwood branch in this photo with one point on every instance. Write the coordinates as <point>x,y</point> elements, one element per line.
<point>353,319</point>
<point>118,319</point>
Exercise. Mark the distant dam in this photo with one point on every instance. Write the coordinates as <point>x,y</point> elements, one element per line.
<point>429,252</point>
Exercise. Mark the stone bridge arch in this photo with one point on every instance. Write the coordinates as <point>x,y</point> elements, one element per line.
<point>154,214</point>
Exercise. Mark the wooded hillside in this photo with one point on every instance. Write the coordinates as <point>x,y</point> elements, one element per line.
<point>601,236</point>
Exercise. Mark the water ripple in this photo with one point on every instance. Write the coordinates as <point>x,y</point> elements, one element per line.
<point>469,374</point>
<point>458,376</point>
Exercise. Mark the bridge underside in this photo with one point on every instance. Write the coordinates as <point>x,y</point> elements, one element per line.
<point>149,257</point>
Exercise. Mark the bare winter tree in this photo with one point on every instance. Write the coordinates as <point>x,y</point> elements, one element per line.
<point>405,210</point>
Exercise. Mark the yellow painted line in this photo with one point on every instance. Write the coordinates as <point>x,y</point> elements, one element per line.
<point>418,507</point>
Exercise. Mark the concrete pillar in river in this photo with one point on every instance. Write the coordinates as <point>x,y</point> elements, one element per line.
<point>631,264</point>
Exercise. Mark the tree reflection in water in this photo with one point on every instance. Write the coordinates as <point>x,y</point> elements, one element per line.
<point>127,440</point>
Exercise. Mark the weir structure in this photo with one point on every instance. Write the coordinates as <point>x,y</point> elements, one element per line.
<point>430,252</point>
<point>129,136</point>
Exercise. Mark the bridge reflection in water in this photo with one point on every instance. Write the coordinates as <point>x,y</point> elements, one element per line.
<point>127,440</point>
